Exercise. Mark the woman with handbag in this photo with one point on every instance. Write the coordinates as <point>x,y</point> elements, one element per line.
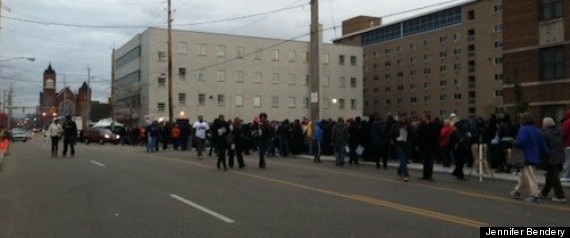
<point>533,145</point>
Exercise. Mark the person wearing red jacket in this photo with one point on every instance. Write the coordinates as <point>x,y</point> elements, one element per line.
<point>446,131</point>
<point>566,134</point>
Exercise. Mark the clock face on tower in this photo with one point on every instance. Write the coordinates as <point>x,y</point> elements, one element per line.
<point>50,83</point>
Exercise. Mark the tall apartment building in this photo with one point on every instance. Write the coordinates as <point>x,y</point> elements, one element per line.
<point>232,75</point>
<point>445,61</point>
<point>537,48</point>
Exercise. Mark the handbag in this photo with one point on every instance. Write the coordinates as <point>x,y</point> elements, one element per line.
<point>515,158</point>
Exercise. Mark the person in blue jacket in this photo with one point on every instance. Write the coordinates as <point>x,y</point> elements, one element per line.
<point>531,142</point>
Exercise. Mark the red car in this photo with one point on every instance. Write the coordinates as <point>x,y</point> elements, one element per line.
<point>100,135</point>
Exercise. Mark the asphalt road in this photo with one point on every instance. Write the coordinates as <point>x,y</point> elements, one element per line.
<point>116,191</point>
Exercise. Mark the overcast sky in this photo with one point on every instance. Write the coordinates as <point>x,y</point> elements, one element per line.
<point>74,35</point>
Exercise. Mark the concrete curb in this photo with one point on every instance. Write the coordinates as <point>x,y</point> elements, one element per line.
<point>437,168</point>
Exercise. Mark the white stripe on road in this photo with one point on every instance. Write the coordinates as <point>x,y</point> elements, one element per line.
<point>202,208</point>
<point>97,163</point>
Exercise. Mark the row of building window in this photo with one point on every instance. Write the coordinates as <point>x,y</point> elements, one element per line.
<point>274,54</point>
<point>239,102</point>
<point>292,79</point>
<point>442,98</point>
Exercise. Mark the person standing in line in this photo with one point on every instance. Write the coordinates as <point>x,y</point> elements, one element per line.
<point>284,138</point>
<point>427,140</point>
<point>447,151</point>
<point>533,145</point>
<point>339,139</point>
<point>55,131</point>
<point>460,143</point>
<point>354,140</point>
<point>566,134</point>
<point>378,137</point>
<point>175,134</point>
<point>264,134</point>
<point>153,132</point>
<point>554,141</point>
<point>69,135</point>
<point>237,146</point>
<point>317,134</point>
<point>222,130</point>
<point>400,132</point>
<point>200,129</point>
<point>4,141</point>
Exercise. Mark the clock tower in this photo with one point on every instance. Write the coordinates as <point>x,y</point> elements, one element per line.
<point>48,95</point>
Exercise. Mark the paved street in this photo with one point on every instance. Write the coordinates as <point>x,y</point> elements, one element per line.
<point>116,191</point>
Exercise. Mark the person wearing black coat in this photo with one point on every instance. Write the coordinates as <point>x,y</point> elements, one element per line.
<point>69,135</point>
<point>427,138</point>
<point>236,148</point>
<point>354,140</point>
<point>459,140</point>
<point>222,130</point>
<point>379,139</point>
<point>554,141</point>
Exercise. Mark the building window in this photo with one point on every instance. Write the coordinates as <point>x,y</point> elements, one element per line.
<point>181,49</point>
<point>498,28</point>
<point>471,15</point>
<point>443,83</point>
<point>307,79</point>
<point>353,82</point>
<point>457,52</point>
<point>341,104</point>
<point>161,56</point>
<point>498,77</point>
<point>161,106</point>
<point>341,60</point>
<point>292,79</point>
<point>306,57</point>
<point>257,101</point>
<point>552,9</point>
<point>240,75</point>
<point>341,82</point>
<point>202,75</point>
<point>443,97</point>
<point>353,60</point>
<point>498,93</point>
<point>413,100</point>
<point>497,8</point>
<point>257,54</point>
<point>182,73</point>
<point>239,52</point>
<point>326,59</point>
<point>257,78</point>
<point>326,81</point>
<point>275,55</point>
<point>326,103</point>
<point>182,99</point>
<point>202,50</point>
<point>306,102</point>
<point>291,102</point>
<point>388,102</point>
<point>221,75</point>
<point>442,39</point>
<point>457,37</point>
<point>442,69</point>
<point>275,78</point>
<point>239,101</point>
<point>201,99</point>
<point>275,102</point>
<point>427,98</point>
<point>552,63</point>
<point>498,60</point>
<point>221,100</point>
<point>498,44</point>
<point>221,51</point>
<point>162,81</point>
<point>292,56</point>
<point>353,104</point>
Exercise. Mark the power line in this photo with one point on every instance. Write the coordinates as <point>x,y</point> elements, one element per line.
<point>31,21</point>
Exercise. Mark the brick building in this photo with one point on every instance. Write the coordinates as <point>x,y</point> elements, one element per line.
<point>536,45</point>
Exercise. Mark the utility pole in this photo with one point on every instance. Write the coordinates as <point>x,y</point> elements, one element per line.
<point>315,56</point>
<point>10,95</point>
<point>170,106</point>
<point>88,97</point>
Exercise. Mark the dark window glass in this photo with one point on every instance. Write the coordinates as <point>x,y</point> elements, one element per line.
<point>552,63</point>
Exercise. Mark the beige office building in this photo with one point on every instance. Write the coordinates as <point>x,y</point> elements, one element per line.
<point>445,61</point>
<point>232,75</point>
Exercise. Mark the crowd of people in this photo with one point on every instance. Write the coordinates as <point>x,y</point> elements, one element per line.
<point>406,139</point>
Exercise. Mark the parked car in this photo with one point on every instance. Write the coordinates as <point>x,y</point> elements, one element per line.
<point>19,134</point>
<point>100,135</point>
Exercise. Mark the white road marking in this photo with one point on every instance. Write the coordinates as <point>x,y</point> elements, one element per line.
<point>202,208</point>
<point>97,163</point>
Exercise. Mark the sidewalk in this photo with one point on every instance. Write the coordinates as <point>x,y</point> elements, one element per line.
<point>438,168</point>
